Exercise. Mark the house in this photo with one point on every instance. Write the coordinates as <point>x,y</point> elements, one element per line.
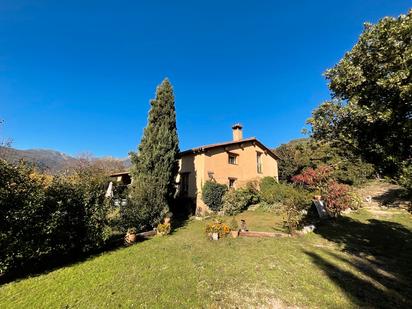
<point>233,163</point>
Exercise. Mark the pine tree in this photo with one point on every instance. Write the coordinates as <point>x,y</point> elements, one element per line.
<point>155,166</point>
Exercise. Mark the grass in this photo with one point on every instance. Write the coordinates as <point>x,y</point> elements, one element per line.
<point>359,261</point>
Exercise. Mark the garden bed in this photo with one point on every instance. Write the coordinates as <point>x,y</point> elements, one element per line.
<point>263,234</point>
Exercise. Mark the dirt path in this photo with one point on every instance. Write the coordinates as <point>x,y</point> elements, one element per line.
<point>378,196</point>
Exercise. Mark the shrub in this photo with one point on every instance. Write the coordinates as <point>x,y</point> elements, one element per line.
<point>235,201</point>
<point>296,200</point>
<point>293,217</point>
<point>405,178</point>
<point>78,212</point>
<point>145,208</point>
<point>274,193</point>
<point>314,179</point>
<point>42,218</point>
<point>23,219</point>
<point>337,197</point>
<point>286,199</point>
<point>233,225</point>
<point>212,194</point>
<point>355,200</point>
<point>355,172</point>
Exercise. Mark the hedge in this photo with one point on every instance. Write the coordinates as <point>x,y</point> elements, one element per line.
<point>43,217</point>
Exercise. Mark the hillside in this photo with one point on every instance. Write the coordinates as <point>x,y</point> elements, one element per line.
<point>51,160</point>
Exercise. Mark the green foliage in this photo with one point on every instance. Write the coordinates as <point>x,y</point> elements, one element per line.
<point>154,166</point>
<point>233,224</point>
<point>285,199</point>
<point>405,179</point>
<point>145,207</point>
<point>274,193</point>
<point>295,155</point>
<point>212,194</point>
<point>79,212</point>
<point>355,201</point>
<point>293,218</point>
<point>295,200</point>
<point>235,201</point>
<point>21,217</point>
<point>304,153</point>
<point>42,217</point>
<point>372,90</point>
<point>353,171</point>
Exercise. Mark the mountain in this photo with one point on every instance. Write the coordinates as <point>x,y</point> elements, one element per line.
<point>55,161</point>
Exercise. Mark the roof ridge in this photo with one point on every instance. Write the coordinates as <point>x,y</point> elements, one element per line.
<point>249,139</point>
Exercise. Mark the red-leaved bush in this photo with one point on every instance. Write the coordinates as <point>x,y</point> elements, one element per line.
<point>314,178</point>
<point>337,197</point>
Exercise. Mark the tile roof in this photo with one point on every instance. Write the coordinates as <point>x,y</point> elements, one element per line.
<point>201,149</point>
<point>210,146</point>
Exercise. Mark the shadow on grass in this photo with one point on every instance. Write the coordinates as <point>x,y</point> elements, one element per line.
<point>382,257</point>
<point>394,198</point>
<point>178,223</point>
<point>53,263</point>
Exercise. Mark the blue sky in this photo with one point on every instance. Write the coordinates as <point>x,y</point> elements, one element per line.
<point>77,76</point>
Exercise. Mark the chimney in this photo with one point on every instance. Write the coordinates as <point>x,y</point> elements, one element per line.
<point>237,132</point>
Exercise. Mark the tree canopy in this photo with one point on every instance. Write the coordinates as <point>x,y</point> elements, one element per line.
<point>371,108</point>
<point>306,152</point>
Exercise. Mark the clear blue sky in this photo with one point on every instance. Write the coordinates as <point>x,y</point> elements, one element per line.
<point>77,76</point>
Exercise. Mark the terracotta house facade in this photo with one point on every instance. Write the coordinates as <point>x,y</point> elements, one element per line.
<point>233,163</point>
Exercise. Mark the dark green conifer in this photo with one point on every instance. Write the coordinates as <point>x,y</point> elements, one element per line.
<point>154,166</point>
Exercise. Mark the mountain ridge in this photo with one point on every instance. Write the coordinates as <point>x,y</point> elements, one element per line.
<point>52,160</point>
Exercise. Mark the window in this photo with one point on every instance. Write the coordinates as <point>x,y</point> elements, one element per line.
<point>232,182</point>
<point>259,162</point>
<point>232,158</point>
<point>184,183</point>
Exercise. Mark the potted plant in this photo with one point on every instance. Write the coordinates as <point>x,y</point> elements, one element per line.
<point>234,228</point>
<point>163,229</point>
<point>217,230</point>
<point>213,229</point>
<point>130,237</point>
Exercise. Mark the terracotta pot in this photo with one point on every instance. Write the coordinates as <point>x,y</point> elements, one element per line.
<point>130,238</point>
<point>215,236</point>
<point>235,234</point>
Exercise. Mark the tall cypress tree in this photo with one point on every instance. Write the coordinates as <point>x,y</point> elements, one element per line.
<point>154,166</point>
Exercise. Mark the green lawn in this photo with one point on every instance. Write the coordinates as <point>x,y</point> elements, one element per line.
<point>361,260</point>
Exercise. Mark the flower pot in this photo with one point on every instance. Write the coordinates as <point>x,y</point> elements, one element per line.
<point>130,238</point>
<point>235,234</point>
<point>215,236</point>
